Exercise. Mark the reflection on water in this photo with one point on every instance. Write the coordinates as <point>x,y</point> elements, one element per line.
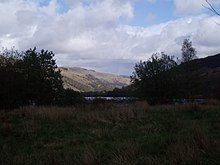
<point>112,98</point>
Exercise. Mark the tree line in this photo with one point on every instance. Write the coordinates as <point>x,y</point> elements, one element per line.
<point>32,77</point>
<point>161,78</point>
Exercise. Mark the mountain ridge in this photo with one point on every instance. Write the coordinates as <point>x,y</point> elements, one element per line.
<point>86,80</point>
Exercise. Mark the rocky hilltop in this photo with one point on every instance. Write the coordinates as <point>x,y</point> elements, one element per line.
<point>84,80</point>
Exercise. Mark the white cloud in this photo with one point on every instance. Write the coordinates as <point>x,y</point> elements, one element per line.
<point>151,1</point>
<point>93,35</point>
<point>193,6</point>
<point>188,6</point>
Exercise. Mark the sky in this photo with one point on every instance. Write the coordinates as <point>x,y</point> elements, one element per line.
<point>109,35</point>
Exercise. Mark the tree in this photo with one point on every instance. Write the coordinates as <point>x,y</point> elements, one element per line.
<point>70,98</point>
<point>29,77</point>
<point>188,77</point>
<point>32,77</point>
<point>12,90</point>
<point>42,78</point>
<point>188,52</point>
<point>154,78</point>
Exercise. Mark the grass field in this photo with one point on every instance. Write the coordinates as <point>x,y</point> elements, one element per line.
<point>111,134</point>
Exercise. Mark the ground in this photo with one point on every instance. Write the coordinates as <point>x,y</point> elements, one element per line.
<point>111,134</point>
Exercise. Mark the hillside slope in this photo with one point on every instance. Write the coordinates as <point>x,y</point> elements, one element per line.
<point>206,71</point>
<point>84,80</point>
<point>207,62</point>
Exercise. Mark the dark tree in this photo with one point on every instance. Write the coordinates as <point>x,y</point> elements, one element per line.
<point>43,80</point>
<point>29,77</point>
<point>188,52</point>
<point>70,98</point>
<point>32,77</point>
<point>154,79</point>
<point>12,90</point>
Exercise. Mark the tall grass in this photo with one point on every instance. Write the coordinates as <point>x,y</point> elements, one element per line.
<point>111,133</point>
<point>103,112</point>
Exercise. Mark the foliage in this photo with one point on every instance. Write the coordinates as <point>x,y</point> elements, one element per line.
<point>70,98</point>
<point>31,77</point>
<point>43,79</point>
<point>161,80</point>
<point>188,52</point>
<point>12,90</point>
<point>154,78</point>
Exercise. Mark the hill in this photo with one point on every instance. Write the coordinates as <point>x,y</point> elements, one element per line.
<point>210,62</point>
<point>210,75</point>
<point>206,73</point>
<point>84,80</point>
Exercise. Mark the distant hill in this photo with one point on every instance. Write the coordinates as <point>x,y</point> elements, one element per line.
<point>84,80</point>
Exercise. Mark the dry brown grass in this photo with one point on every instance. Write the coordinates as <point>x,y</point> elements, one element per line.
<point>213,102</point>
<point>182,153</point>
<point>106,113</point>
<point>111,134</point>
<point>51,113</point>
<point>6,128</point>
<point>126,157</point>
<point>102,112</point>
<point>189,150</point>
<point>89,157</point>
<point>151,160</point>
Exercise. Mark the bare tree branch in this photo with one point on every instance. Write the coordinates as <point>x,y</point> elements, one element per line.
<point>211,8</point>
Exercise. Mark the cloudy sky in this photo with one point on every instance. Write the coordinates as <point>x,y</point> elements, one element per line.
<point>109,35</point>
